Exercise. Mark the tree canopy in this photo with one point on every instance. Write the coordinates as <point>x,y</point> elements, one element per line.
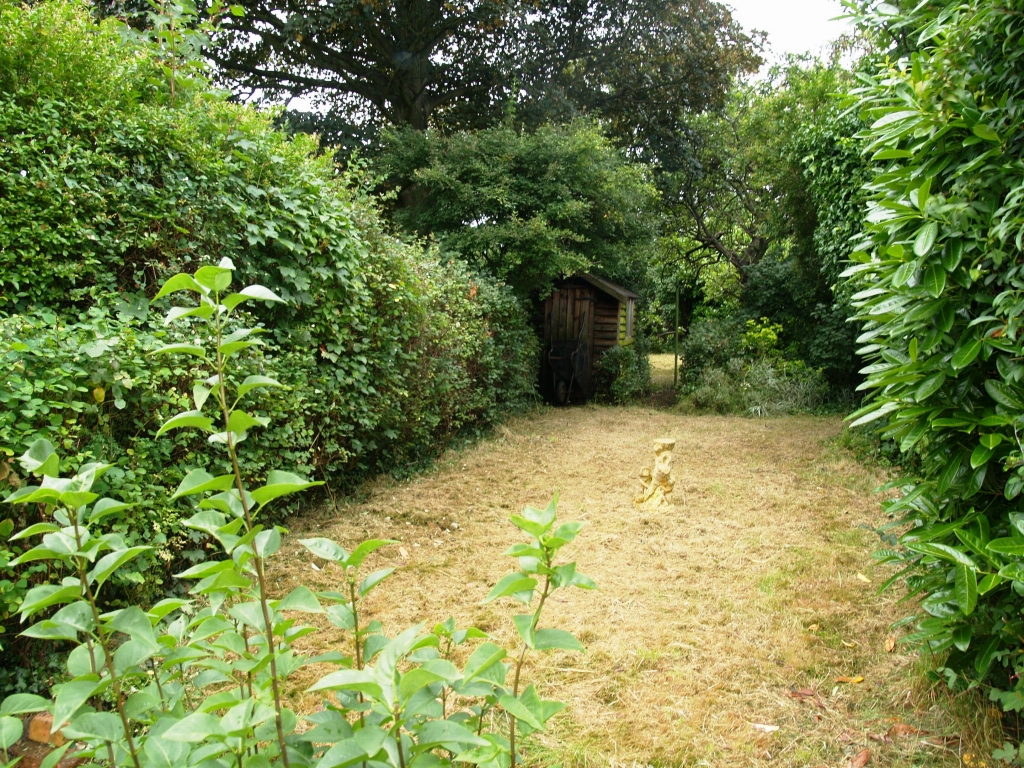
<point>525,206</point>
<point>358,64</point>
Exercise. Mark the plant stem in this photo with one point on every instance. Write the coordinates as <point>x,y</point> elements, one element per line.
<point>519,665</point>
<point>108,658</point>
<point>261,578</point>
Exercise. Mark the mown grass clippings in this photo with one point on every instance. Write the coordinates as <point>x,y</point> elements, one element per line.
<point>707,619</point>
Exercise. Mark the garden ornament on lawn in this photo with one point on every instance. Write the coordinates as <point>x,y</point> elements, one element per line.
<point>657,482</point>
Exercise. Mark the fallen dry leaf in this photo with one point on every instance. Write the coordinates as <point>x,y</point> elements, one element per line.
<point>848,645</point>
<point>890,644</point>
<point>850,680</point>
<point>863,578</point>
<point>764,728</point>
<point>880,737</point>
<point>902,729</point>
<point>805,694</point>
<point>861,758</point>
<point>812,628</point>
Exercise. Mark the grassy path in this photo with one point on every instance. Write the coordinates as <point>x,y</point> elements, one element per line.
<point>710,619</point>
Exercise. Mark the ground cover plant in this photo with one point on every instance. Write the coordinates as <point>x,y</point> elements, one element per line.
<point>202,681</point>
<point>940,305</point>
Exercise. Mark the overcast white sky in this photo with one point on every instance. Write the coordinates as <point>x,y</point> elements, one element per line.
<point>793,26</point>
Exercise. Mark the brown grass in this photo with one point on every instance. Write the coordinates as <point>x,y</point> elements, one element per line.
<point>707,618</point>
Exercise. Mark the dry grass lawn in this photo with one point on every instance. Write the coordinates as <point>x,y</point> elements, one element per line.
<point>739,609</point>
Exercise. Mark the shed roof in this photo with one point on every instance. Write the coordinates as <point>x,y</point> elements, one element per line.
<point>620,293</point>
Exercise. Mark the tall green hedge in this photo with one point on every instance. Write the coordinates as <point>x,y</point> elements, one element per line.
<point>941,302</point>
<point>110,183</point>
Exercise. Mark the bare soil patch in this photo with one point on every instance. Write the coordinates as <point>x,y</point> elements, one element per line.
<point>719,631</point>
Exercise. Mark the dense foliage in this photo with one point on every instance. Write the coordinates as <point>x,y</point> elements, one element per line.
<point>108,182</point>
<point>203,680</point>
<point>731,366</point>
<point>765,209</point>
<point>526,207</point>
<point>940,306</point>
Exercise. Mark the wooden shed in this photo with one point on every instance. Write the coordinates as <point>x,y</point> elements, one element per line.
<point>584,317</point>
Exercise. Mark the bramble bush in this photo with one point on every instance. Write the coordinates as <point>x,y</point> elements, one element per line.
<point>940,303</point>
<point>109,182</point>
<point>202,679</point>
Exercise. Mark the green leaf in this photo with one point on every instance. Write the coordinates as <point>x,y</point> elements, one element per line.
<point>10,731</point>
<point>111,562</point>
<point>436,732</point>
<point>201,481</point>
<point>254,382</point>
<point>261,293</point>
<point>524,626</point>
<point>1007,546</point>
<point>166,753</point>
<point>267,542</point>
<point>213,278</point>
<point>325,549</point>
<point>416,679</point>
<point>134,623</point>
<point>72,696</point>
<point>23,703</point>
<point>930,386</point>
<point>180,282</point>
<point>926,239</point>
<point>1003,394</point>
<point>986,132</point>
<point>358,680</point>
<point>187,419</point>
<point>35,530</point>
<point>300,599</point>
<point>106,507</point>
<point>105,726</point>
<point>204,311</point>
<point>280,484</point>
<point>373,580</point>
<point>980,455</point>
<point>180,349</point>
<point>46,595</point>
<point>934,280</point>
<point>360,553</point>
<point>41,459</point>
<point>517,709</point>
<point>965,354</point>
<point>550,639</point>
<point>199,726</point>
<point>965,588</point>
<point>512,584</point>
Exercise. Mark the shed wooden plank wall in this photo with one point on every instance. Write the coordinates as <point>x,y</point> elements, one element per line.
<point>606,324</point>
<point>566,310</point>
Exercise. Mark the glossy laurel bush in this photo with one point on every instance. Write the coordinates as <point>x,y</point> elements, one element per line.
<point>941,296</point>
<point>201,681</point>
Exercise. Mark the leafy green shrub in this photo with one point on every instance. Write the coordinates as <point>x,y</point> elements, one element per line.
<point>201,680</point>
<point>386,351</point>
<point>709,343</point>
<point>940,306</point>
<point>624,372</point>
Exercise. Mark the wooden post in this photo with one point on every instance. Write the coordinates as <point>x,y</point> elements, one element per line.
<point>675,366</point>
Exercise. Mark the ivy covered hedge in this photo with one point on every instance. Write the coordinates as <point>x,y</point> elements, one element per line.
<point>941,301</point>
<point>109,182</point>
